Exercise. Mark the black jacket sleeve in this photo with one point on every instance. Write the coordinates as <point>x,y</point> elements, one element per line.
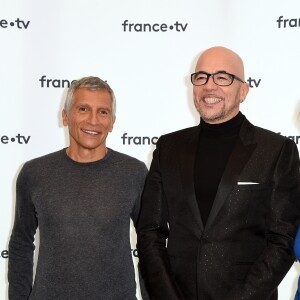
<point>152,234</point>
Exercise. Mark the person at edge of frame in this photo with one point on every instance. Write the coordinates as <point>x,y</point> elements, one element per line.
<point>297,254</point>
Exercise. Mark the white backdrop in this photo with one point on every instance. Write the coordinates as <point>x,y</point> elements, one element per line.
<point>45,43</point>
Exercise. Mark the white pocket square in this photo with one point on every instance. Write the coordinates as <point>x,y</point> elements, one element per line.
<point>246,182</point>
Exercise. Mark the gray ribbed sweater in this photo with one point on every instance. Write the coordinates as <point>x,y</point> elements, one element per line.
<point>83,213</point>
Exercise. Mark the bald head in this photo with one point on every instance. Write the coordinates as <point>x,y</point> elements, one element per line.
<point>217,59</point>
<point>218,102</point>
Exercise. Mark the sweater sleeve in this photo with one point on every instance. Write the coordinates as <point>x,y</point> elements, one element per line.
<point>140,185</point>
<point>135,216</point>
<point>21,244</point>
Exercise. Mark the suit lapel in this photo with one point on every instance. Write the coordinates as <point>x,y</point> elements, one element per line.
<point>237,160</point>
<point>187,163</point>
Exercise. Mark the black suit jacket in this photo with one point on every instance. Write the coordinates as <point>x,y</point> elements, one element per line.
<point>246,246</point>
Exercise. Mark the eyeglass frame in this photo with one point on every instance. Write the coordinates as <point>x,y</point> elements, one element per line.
<point>212,75</point>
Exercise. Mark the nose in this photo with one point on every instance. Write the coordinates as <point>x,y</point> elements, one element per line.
<point>93,118</point>
<point>210,84</point>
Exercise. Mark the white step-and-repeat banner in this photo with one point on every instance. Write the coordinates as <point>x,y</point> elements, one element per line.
<point>146,51</point>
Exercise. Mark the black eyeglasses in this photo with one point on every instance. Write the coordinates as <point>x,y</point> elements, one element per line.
<point>221,78</point>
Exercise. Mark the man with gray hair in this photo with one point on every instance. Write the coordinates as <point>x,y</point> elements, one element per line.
<point>81,198</point>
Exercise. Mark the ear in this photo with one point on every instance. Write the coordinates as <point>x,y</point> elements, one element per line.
<point>65,117</point>
<point>112,124</point>
<point>244,91</point>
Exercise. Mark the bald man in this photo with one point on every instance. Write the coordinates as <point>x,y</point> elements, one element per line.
<point>219,207</point>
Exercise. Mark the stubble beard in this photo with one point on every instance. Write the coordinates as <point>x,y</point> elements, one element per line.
<point>217,117</point>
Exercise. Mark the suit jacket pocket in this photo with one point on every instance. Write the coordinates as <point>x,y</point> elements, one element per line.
<point>250,203</point>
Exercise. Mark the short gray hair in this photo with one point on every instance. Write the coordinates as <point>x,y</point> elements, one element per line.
<point>91,83</point>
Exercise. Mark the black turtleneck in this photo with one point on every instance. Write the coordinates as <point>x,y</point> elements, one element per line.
<point>216,142</point>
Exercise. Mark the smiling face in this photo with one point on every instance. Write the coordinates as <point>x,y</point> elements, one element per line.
<point>89,120</point>
<point>218,104</point>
